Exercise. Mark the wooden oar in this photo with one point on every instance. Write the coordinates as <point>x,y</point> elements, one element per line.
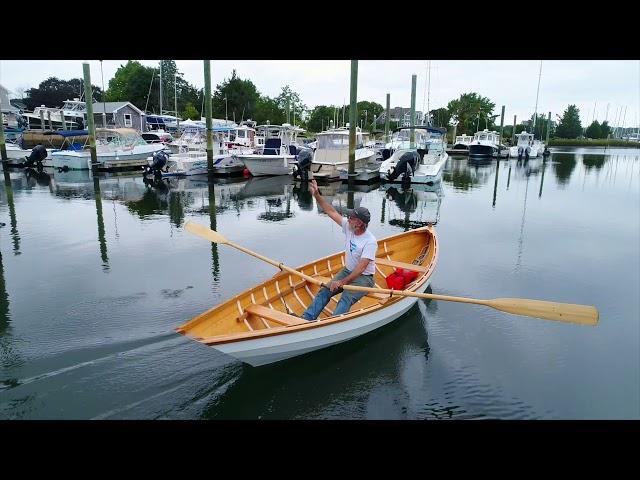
<point>563,312</point>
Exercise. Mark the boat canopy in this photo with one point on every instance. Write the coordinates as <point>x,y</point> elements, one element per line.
<point>72,133</point>
<point>436,130</point>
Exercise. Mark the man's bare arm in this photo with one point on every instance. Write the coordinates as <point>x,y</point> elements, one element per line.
<point>326,206</point>
<point>362,264</point>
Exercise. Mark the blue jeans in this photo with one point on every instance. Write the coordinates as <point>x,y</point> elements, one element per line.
<point>346,301</point>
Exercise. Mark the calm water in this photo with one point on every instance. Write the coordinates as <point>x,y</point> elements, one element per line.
<point>96,273</point>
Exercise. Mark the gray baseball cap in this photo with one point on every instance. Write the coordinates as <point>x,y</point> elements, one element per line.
<point>361,213</point>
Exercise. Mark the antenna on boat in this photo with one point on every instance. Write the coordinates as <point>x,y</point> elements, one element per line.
<point>160,87</point>
<point>535,113</point>
<point>153,74</point>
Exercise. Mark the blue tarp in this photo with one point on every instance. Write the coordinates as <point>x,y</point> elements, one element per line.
<point>72,133</point>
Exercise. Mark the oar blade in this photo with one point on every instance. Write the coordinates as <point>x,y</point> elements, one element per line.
<point>204,232</point>
<point>563,312</point>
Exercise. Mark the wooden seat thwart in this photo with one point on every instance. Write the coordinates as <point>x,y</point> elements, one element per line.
<point>406,266</point>
<point>274,315</point>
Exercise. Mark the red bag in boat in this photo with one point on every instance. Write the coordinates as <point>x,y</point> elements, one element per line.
<point>409,276</point>
<point>395,281</point>
<point>400,278</point>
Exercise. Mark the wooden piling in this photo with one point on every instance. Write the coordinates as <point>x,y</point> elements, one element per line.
<point>3,147</point>
<point>386,118</point>
<point>412,136</point>
<point>88,96</point>
<point>353,115</point>
<point>207,109</point>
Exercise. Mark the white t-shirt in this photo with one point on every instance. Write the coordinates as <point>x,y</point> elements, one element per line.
<point>357,247</point>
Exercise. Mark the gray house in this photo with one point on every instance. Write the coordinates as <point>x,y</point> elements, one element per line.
<point>401,115</point>
<point>119,114</point>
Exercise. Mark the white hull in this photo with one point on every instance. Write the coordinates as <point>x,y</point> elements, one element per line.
<point>268,164</point>
<point>222,165</point>
<point>17,156</point>
<point>428,173</point>
<point>263,351</point>
<point>533,152</point>
<point>121,158</point>
<point>331,170</point>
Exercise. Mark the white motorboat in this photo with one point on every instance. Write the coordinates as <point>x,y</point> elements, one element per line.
<point>419,162</point>
<point>115,149</point>
<point>526,146</point>
<point>279,153</point>
<point>487,144</point>
<point>332,153</point>
<point>191,155</point>
<point>74,112</point>
<point>461,145</point>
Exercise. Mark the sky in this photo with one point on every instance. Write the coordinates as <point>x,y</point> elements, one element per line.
<point>594,86</point>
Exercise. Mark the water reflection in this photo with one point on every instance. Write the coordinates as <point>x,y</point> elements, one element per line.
<point>495,184</point>
<point>8,188</point>
<point>343,381</point>
<point>591,161</point>
<point>457,173</point>
<point>4,301</point>
<point>419,203</point>
<point>37,177</point>
<point>563,165</point>
<point>101,234</point>
<point>215,259</point>
<point>277,193</point>
<point>303,196</point>
<point>73,184</point>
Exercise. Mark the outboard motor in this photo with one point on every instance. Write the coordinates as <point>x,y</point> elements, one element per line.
<point>35,158</point>
<point>302,168</point>
<point>158,162</point>
<point>405,166</point>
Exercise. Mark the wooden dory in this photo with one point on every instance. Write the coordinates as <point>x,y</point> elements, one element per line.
<point>255,326</point>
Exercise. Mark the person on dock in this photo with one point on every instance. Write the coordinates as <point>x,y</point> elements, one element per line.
<point>360,255</point>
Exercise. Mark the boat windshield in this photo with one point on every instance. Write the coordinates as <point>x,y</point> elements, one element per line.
<point>523,140</point>
<point>333,142</point>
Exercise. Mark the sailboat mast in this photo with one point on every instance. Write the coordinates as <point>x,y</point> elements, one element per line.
<point>535,113</point>
<point>175,97</point>
<point>160,87</point>
<point>429,91</point>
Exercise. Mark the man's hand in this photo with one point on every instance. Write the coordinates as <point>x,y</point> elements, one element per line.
<point>336,285</point>
<point>313,187</point>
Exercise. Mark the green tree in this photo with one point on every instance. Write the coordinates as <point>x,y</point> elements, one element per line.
<point>605,130</point>
<point>540,128</point>
<point>440,117</point>
<point>317,120</point>
<point>241,102</point>
<point>140,85</point>
<point>190,112</point>
<point>472,112</point>
<point>291,99</point>
<point>570,126</point>
<point>53,92</point>
<point>267,109</point>
<point>133,83</point>
<point>593,130</point>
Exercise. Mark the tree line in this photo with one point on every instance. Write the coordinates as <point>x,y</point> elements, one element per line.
<point>239,99</point>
